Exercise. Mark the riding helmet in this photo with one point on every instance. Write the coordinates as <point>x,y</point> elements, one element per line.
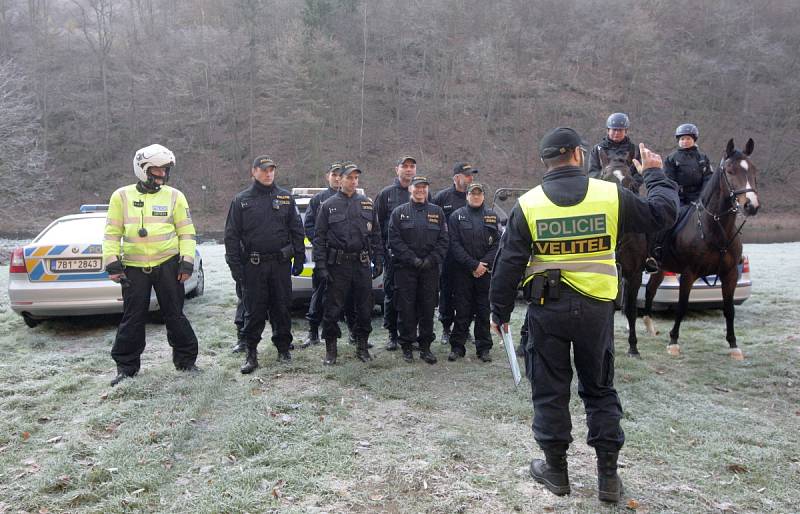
<point>687,129</point>
<point>618,120</point>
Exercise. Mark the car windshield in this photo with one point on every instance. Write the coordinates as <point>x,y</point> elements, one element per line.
<point>76,230</point>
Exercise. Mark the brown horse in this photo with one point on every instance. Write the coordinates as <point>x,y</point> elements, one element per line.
<point>705,240</point>
<point>631,249</point>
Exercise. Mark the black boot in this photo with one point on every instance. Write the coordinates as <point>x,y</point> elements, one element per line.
<point>313,336</point>
<point>392,345</point>
<point>363,350</point>
<point>240,346</point>
<point>426,354</point>
<point>609,485</point>
<point>121,375</point>
<point>285,356</point>
<point>408,355</point>
<point>484,356</point>
<point>251,362</point>
<point>552,472</point>
<point>445,334</point>
<point>330,352</point>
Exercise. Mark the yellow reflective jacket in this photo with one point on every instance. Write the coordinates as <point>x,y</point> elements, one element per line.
<point>164,215</point>
<point>579,240</point>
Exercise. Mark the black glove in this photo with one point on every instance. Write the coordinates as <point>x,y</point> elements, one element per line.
<point>186,267</point>
<point>115,268</point>
<point>236,273</point>
<point>323,274</point>
<point>428,263</point>
<point>418,263</point>
<point>297,267</point>
<point>377,269</point>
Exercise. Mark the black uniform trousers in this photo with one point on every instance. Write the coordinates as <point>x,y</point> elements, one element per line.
<point>130,341</point>
<point>316,306</point>
<point>348,280</point>
<point>238,318</point>
<point>446,292</point>
<point>588,326</point>
<point>471,300</point>
<point>415,296</point>
<point>268,295</point>
<point>389,305</point>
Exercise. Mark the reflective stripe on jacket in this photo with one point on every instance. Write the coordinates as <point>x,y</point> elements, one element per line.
<point>163,214</point>
<point>579,239</point>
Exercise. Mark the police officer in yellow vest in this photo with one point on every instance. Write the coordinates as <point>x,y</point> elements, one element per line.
<point>157,249</point>
<point>560,241</point>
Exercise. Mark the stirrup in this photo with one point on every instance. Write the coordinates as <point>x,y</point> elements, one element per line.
<point>651,265</point>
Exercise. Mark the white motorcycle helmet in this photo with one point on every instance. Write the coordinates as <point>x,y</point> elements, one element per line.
<point>153,155</point>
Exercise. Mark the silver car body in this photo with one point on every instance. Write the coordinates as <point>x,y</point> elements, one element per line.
<point>706,291</point>
<point>63,272</point>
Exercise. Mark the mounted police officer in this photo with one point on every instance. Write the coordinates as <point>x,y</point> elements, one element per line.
<point>616,146</point>
<point>387,200</point>
<point>561,237</point>
<point>263,233</point>
<point>691,170</point>
<point>346,240</point>
<point>157,252</point>
<point>418,241</point>
<point>450,199</point>
<point>474,237</point>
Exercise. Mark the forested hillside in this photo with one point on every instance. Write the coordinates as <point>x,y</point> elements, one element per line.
<point>84,83</point>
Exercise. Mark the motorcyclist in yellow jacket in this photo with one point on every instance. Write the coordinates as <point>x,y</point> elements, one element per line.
<point>150,244</point>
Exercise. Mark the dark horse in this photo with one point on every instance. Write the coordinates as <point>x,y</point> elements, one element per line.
<point>631,249</point>
<point>705,240</point>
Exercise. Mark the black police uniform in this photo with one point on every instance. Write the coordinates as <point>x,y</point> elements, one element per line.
<point>624,150</point>
<point>315,305</point>
<point>263,232</point>
<point>346,239</point>
<point>574,318</point>
<point>691,169</point>
<point>387,201</point>
<point>418,241</point>
<point>474,238</point>
<point>449,200</point>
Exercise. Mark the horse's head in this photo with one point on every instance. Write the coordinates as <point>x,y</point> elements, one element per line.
<point>741,176</point>
<point>617,169</point>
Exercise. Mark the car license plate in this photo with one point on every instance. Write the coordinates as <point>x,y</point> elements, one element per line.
<point>75,265</point>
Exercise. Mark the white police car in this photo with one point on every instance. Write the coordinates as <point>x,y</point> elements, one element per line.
<point>61,272</point>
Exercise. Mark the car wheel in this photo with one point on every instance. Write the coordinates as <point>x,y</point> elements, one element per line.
<point>201,283</point>
<point>31,322</point>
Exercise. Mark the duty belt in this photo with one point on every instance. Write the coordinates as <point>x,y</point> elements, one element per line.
<point>543,287</point>
<point>341,257</point>
<point>256,258</point>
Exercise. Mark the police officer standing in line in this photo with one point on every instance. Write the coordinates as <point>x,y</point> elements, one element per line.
<point>418,241</point>
<point>387,201</point>
<point>450,199</point>
<point>314,315</point>
<point>157,252</point>
<point>692,170</point>
<point>346,239</point>
<point>561,236</point>
<point>474,237</point>
<point>264,221</point>
<point>238,320</point>
<point>616,145</point>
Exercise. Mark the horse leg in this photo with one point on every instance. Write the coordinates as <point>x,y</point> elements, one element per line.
<point>687,280</point>
<point>633,282</point>
<point>728,288</point>
<point>650,292</point>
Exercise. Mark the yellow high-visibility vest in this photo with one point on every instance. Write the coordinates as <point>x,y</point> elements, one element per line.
<point>164,215</point>
<point>579,240</point>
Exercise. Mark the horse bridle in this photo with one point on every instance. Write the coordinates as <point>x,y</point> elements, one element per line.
<point>733,209</point>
